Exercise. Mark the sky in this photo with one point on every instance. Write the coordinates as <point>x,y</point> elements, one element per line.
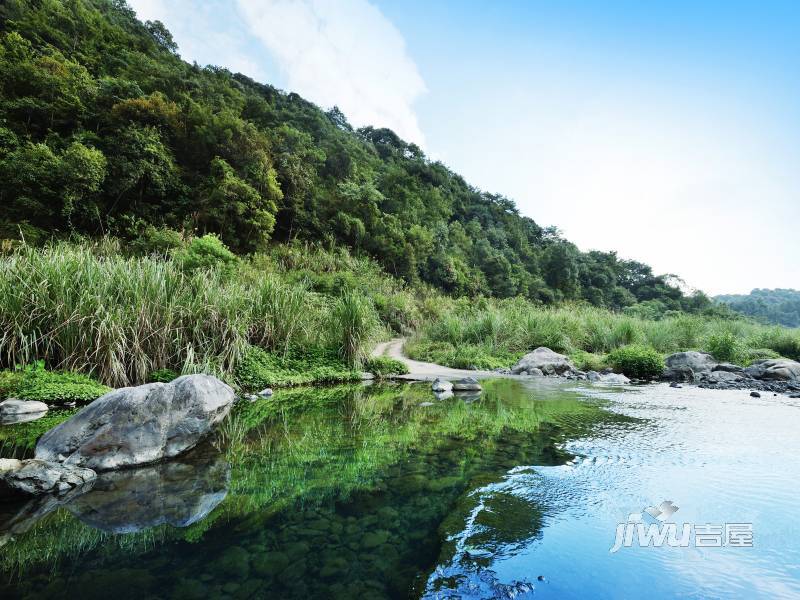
<point>667,131</point>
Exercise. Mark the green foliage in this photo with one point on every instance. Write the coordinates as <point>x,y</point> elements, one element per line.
<point>207,252</point>
<point>780,306</point>
<point>259,369</point>
<point>725,347</point>
<point>163,376</point>
<point>353,325</point>
<point>19,440</point>
<point>587,361</point>
<point>380,366</point>
<point>751,355</point>
<point>34,382</point>
<point>105,129</point>
<point>640,362</point>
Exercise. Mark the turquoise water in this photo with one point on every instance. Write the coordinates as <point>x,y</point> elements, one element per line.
<point>369,492</point>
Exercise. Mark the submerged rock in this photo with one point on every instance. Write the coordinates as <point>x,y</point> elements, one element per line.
<point>544,360</point>
<point>721,377</point>
<point>34,476</point>
<point>265,393</point>
<point>441,385</point>
<point>467,384</point>
<point>139,425</point>
<point>443,395</point>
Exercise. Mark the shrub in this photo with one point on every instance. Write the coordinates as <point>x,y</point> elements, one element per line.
<point>163,376</point>
<point>641,362</point>
<point>259,369</point>
<point>34,382</point>
<point>207,252</point>
<point>725,347</point>
<point>751,355</point>
<point>381,366</point>
<point>587,361</point>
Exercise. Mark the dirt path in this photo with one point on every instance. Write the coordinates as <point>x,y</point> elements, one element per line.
<point>423,371</point>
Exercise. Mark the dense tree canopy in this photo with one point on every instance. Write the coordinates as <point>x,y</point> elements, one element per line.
<point>781,307</point>
<point>104,129</point>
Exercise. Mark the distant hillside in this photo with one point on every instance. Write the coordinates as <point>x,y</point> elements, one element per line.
<point>781,307</point>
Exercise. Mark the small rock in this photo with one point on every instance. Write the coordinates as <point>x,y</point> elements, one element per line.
<point>441,385</point>
<point>265,393</point>
<point>13,406</point>
<point>674,384</point>
<point>35,476</point>
<point>755,395</point>
<point>540,578</point>
<point>467,384</point>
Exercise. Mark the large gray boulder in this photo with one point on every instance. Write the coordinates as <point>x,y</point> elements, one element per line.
<point>688,366</point>
<point>34,476</point>
<point>780,369</point>
<point>698,362</point>
<point>544,360</point>
<point>139,425</point>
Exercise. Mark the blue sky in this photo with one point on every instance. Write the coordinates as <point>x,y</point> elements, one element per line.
<point>669,132</point>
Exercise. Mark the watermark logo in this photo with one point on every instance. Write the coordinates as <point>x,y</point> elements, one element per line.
<point>654,527</point>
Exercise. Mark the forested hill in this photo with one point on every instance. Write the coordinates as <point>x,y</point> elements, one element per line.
<point>105,130</point>
<point>781,307</point>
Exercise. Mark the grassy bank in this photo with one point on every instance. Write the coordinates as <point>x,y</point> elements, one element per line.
<point>491,334</point>
<point>296,315</point>
<point>271,319</point>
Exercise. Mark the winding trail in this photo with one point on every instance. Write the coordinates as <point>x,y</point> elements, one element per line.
<point>424,371</point>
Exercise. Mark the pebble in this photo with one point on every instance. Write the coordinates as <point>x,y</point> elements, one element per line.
<point>755,395</point>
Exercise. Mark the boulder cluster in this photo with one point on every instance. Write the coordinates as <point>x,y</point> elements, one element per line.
<point>544,362</point>
<point>127,427</point>
<point>779,375</point>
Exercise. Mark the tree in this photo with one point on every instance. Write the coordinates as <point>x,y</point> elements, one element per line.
<point>235,210</point>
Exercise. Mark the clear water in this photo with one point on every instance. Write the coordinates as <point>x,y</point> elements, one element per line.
<point>369,492</point>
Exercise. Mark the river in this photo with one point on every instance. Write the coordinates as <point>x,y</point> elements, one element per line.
<point>532,489</point>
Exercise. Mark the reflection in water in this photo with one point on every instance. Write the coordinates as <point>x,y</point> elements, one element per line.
<point>16,419</point>
<point>376,492</point>
<point>178,493</point>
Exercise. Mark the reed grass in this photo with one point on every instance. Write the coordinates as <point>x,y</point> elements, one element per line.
<point>90,309</point>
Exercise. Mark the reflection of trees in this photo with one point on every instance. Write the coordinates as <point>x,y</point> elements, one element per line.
<point>353,450</point>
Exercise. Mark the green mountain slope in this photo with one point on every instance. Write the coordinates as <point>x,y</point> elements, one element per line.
<point>779,306</point>
<point>105,130</point>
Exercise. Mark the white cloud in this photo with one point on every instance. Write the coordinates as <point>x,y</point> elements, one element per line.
<point>344,53</point>
<point>207,32</point>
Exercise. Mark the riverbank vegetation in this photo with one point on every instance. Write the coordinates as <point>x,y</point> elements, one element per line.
<point>298,315</point>
<point>158,217</point>
<point>495,333</point>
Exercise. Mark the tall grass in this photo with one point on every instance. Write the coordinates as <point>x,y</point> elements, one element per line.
<point>354,325</point>
<point>87,308</point>
<point>512,327</point>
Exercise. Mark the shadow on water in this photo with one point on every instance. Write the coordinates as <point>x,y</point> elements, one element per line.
<point>340,492</point>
